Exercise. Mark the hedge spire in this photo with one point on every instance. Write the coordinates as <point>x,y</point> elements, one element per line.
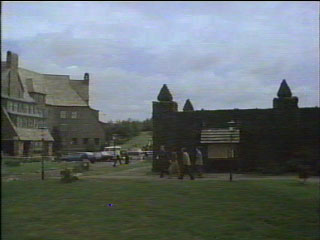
<point>164,94</point>
<point>284,90</point>
<point>188,106</point>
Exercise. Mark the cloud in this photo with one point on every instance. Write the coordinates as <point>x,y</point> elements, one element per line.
<point>219,54</point>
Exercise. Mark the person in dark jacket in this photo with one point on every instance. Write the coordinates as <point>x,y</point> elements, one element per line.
<point>164,161</point>
<point>126,158</point>
<point>118,158</point>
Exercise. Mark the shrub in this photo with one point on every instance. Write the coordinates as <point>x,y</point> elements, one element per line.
<point>67,177</point>
<point>12,163</point>
<point>81,167</point>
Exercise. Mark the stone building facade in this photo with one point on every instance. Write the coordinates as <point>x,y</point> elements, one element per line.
<point>46,107</point>
<point>245,139</point>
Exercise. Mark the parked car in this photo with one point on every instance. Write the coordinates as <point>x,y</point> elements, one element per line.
<point>149,153</point>
<point>79,156</point>
<point>136,155</point>
<point>98,156</point>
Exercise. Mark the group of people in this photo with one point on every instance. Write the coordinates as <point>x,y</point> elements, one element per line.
<point>179,162</point>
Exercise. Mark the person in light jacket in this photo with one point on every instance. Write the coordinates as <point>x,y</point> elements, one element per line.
<point>199,162</point>
<point>174,166</point>
<point>186,164</point>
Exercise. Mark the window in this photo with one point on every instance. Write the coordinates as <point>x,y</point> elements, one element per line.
<point>19,107</point>
<point>41,124</point>
<point>85,140</point>
<point>74,141</point>
<point>41,98</point>
<point>19,122</point>
<point>37,146</point>
<point>74,115</point>
<point>9,105</point>
<point>15,107</point>
<point>30,109</point>
<point>25,108</point>
<point>40,112</point>
<point>30,123</point>
<point>63,114</point>
<point>20,93</point>
<point>24,122</point>
<point>96,141</point>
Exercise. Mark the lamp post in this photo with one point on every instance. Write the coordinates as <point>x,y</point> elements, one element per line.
<point>114,145</point>
<point>42,152</point>
<point>231,128</point>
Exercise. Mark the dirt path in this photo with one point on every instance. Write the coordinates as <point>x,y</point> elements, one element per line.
<point>144,173</point>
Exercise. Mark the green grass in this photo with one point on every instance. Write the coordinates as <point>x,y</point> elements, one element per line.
<point>34,167</point>
<point>159,209</point>
<point>139,141</point>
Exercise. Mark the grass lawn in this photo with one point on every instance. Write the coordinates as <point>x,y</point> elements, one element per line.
<point>156,209</point>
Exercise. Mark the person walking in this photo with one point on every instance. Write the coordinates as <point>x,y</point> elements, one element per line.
<point>126,158</point>
<point>163,158</point>
<point>186,164</point>
<point>174,166</point>
<point>199,162</point>
<point>117,158</point>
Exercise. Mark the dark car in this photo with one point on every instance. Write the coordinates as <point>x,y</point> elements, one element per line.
<point>80,156</point>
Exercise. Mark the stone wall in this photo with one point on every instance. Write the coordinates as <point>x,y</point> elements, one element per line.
<point>269,137</point>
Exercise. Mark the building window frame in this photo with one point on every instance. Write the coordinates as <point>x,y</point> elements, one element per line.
<point>74,141</point>
<point>85,141</point>
<point>15,107</point>
<point>30,123</point>
<point>63,114</point>
<point>97,141</point>
<point>9,105</point>
<point>74,115</point>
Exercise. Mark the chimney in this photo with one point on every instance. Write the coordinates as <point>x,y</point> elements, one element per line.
<point>86,77</point>
<point>12,60</point>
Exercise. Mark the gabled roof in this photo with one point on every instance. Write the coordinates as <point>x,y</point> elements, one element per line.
<point>5,79</point>
<point>220,135</point>
<point>57,88</point>
<point>33,134</point>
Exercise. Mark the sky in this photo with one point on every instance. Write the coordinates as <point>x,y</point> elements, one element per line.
<point>220,55</point>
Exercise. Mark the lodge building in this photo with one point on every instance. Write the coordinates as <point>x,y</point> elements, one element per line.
<point>46,112</point>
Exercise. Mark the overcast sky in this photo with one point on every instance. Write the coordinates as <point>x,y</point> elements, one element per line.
<point>221,55</point>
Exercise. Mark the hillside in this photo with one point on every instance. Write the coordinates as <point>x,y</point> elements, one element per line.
<point>139,141</point>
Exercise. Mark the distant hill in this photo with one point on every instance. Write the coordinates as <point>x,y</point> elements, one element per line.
<point>139,141</point>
